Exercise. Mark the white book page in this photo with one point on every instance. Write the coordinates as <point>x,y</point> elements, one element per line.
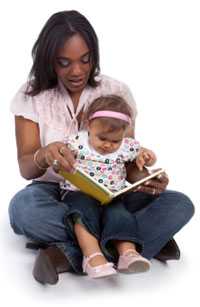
<point>137,183</point>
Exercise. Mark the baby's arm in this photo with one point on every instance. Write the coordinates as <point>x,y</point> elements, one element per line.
<point>146,157</point>
<point>141,156</point>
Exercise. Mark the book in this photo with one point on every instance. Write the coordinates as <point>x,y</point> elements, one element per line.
<point>92,187</point>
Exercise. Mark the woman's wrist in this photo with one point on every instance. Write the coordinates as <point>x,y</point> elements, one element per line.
<point>39,159</point>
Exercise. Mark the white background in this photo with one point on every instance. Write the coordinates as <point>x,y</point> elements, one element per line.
<point>154,47</point>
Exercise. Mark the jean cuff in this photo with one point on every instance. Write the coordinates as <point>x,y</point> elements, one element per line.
<point>111,253</point>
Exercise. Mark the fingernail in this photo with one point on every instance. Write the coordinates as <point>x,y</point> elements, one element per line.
<point>146,183</point>
<point>75,165</point>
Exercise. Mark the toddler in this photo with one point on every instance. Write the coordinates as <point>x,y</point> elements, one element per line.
<point>106,234</point>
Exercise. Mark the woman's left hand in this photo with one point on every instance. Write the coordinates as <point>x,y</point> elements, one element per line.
<point>155,185</point>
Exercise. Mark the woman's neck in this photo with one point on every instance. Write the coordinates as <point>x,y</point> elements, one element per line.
<point>75,97</point>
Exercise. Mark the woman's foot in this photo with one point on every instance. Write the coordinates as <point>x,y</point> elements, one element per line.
<point>99,267</point>
<point>132,262</point>
<point>49,263</point>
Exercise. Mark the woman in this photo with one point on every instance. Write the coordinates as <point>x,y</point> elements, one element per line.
<point>64,79</point>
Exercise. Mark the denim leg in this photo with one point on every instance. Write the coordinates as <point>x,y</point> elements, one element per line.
<point>37,212</point>
<point>118,224</point>
<point>160,218</point>
<point>87,209</point>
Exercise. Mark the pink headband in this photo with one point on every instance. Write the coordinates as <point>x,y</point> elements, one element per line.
<point>112,114</point>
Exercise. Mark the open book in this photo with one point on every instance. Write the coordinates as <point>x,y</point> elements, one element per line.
<point>92,187</point>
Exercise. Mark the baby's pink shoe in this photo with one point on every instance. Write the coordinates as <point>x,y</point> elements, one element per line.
<point>103,270</point>
<point>132,262</point>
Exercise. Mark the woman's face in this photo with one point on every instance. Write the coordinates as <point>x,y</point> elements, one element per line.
<point>73,64</point>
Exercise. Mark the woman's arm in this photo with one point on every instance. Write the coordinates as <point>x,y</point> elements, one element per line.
<point>28,142</point>
<point>153,186</point>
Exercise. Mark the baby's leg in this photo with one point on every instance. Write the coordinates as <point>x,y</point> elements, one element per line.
<point>83,223</point>
<point>89,245</point>
<point>124,246</point>
<point>130,261</point>
<point>120,231</point>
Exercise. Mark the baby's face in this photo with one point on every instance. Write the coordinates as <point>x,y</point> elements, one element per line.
<point>101,140</point>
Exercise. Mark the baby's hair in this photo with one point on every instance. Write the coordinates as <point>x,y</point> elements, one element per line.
<point>110,103</point>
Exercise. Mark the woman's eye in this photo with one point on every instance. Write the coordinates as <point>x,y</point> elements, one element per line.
<point>63,62</point>
<point>85,59</point>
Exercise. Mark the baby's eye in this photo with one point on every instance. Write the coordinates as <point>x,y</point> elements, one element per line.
<point>102,139</point>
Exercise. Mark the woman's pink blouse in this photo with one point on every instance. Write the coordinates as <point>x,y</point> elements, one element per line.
<point>54,113</point>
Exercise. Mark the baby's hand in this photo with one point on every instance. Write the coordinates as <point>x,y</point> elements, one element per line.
<point>146,157</point>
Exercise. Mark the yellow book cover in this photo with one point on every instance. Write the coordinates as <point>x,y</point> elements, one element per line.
<point>92,187</point>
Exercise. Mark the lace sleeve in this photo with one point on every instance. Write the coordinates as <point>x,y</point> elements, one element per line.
<point>23,105</point>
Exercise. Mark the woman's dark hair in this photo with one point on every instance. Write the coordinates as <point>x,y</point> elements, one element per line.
<point>59,28</point>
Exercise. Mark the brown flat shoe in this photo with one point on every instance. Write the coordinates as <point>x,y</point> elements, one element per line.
<point>49,263</point>
<point>170,251</point>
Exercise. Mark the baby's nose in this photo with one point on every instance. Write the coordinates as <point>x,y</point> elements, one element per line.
<point>107,145</point>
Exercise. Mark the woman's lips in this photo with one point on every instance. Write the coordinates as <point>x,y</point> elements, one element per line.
<point>77,82</point>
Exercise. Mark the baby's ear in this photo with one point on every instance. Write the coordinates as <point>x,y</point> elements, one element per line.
<point>129,132</point>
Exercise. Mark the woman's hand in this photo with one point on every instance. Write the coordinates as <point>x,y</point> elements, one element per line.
<point>153,186</point>
<point>59,156</point>
<point>32,158</point>
<point>146,157</point>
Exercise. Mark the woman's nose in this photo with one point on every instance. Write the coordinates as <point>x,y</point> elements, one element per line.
<point>76,69</point>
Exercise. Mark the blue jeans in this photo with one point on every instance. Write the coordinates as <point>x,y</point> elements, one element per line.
<point>39,213</point>
<point>105,223</point>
